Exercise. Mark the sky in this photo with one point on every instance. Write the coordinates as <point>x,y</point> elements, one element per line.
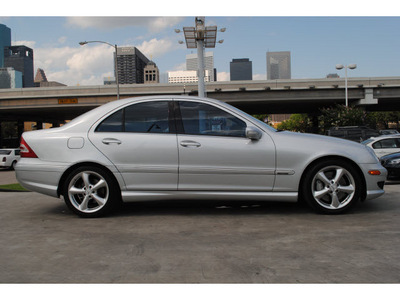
<point>317,38</point>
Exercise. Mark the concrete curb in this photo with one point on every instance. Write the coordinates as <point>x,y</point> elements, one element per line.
<point>16,191</point>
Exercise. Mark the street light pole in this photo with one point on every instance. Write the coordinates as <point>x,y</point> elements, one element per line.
<point>200,61</point>
<point>115,60</point>
<point>200,37</point>
<point>339,67</point>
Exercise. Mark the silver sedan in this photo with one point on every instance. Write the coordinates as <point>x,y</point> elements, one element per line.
<point>177,147</point>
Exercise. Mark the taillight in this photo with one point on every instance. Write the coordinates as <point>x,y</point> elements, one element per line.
<point>26,151</point>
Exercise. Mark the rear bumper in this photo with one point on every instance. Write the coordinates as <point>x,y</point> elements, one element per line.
<point>40,177</point>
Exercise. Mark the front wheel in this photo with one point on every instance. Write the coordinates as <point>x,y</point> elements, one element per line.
<point>90,192</point>
<point>332,186</point>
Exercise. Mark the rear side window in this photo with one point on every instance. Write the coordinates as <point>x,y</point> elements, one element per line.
<point>387,143</point>
<point>141,117</point>
<point>204,119</point>
<point>113,123</point>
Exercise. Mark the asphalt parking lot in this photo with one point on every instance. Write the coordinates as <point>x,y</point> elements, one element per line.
<point>198,242</point>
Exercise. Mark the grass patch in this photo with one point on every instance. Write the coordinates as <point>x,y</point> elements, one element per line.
<point>13,187</point>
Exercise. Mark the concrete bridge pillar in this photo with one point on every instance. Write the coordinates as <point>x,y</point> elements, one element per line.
<point>369,98</point>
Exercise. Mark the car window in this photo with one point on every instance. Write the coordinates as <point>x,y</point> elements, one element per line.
<point>5,152</point>
<point>113,123</point>
<point>204,119</point>
<point>17,152</point>
<point>387,143</point>
<point>147,117</point>
<point>141,117</point>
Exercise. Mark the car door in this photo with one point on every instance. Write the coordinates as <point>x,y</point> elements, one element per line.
<point>141,142</point>
<point>214,153</point>
<point>386,146</point>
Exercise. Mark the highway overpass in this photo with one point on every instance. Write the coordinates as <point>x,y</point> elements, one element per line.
<point>56,104</point>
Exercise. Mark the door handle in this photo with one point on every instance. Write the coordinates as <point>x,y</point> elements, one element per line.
<point>190,144</point>
<point>109,141</point>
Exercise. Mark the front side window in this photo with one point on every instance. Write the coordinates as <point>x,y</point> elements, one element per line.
<point>205,119</point>
<point>141,117</point>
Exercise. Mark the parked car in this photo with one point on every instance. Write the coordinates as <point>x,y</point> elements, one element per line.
<point>9,158</point>
<point>392,164</point>
<point>353,133</point>
<point>384,145</point>
<point>181,147</point>
<point>388,131</point>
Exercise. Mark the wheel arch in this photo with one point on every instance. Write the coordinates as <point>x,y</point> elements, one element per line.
<point>81,164</point>
<point>337,157</point>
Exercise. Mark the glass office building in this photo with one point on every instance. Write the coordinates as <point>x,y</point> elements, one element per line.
<point>278,65</point>
<point>5,41</point>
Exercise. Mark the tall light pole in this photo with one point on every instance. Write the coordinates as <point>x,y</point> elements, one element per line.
<point>200,37</point>
<point>115,60</point>
<point>339,67</point>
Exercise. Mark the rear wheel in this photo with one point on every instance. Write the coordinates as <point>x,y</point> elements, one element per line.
<point>332,186</point>
<point>90,192</point>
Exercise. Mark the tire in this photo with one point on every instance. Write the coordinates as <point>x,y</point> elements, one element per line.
<point>14,163</point>
<point>332,186</point>
<point>91,192</point>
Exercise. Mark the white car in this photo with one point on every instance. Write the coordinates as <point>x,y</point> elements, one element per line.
<point>181,147</point>
<point>9,158</point>
<point>384,145</point>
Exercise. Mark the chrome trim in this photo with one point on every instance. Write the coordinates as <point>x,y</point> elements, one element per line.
<point>285,172</point>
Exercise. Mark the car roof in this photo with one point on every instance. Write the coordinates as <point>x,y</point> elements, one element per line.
<point>387,136</point>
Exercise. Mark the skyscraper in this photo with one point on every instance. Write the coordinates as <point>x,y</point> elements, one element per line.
<point>5,41</point>
<point>21,59</point>
<point>241,69</point>
<point>278,65</point>
<point>151,73</point>
<point>10,79</point>
<point>130,63</point>
<point>191,63</point>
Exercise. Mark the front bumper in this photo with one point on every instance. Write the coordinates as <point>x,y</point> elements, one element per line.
<point>374,183</point>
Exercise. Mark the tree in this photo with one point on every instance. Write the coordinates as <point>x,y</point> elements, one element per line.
<point>341,115</point>
<point>381,120</point>
<point>296,122</point>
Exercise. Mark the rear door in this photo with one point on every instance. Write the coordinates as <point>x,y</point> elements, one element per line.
<point>141,142</point>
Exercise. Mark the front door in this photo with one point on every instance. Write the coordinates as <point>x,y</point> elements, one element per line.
<point>214,153</point>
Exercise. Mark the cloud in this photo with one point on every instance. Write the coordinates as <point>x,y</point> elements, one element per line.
<point>83,65</point>
<point>88,65</point>
<point>62,39</point>
<point>153,24</point>
<point>156,48</point>
<point>259,77</point>
<point>223,76</point>
<point>30,44</point>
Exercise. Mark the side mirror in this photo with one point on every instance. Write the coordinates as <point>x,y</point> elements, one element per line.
<point>253,133</point>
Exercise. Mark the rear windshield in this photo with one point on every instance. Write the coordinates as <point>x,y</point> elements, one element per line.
<point>5,152</point>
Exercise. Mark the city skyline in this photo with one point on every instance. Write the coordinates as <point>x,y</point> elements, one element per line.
<point>316,44</point>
